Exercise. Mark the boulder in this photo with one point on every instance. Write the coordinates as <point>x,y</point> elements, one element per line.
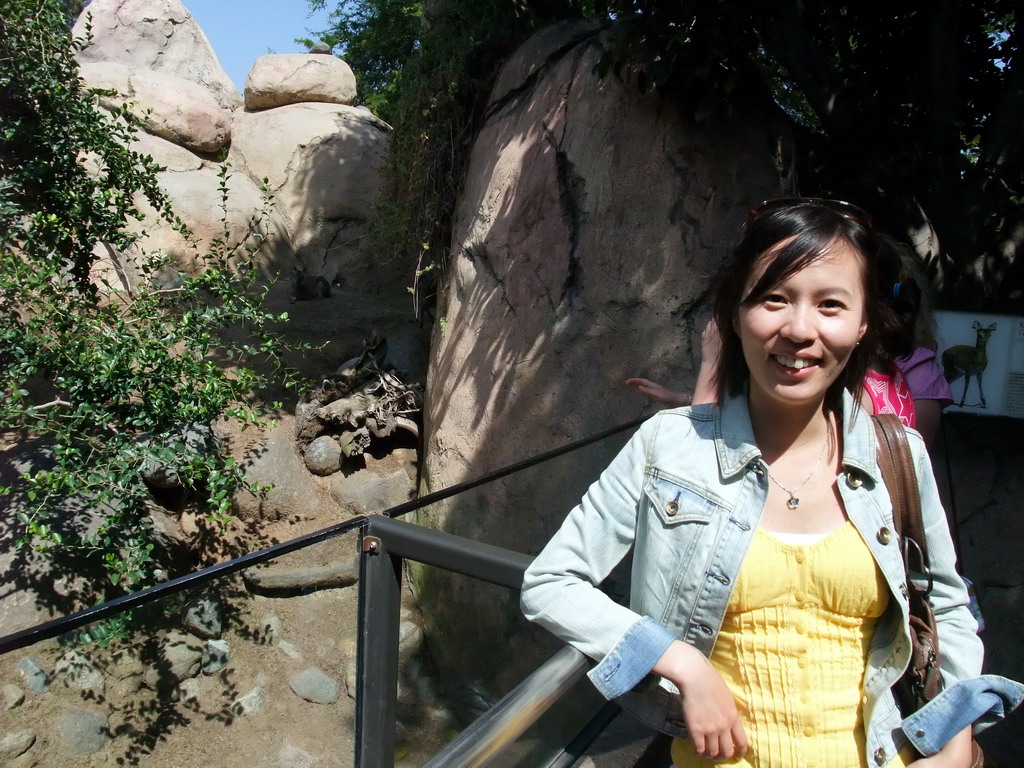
<point>323,456</point>
<point>365,492</point>
<point>196,198</point>
<point>166,153</point>
<point>287,578</point>
<point>216,656</point>
<point>278,79</point>
<point>77,670</point>
<point>588,221</point>
<point>181,112</point>
<point>323,163</point>
<point>275,462</point>
<point>204,616</point>
<point>157,35</point>
<point>250,703</point>
<point>176,109</point>
<point>37,585</point>
<point>13,696</point>
<point>16,743</point>
<point>315,685</point>
<point>83,731</point>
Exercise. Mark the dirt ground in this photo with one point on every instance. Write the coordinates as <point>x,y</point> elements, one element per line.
<point>158,724</point>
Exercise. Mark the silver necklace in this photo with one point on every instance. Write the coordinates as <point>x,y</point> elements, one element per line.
<point>794,502</point>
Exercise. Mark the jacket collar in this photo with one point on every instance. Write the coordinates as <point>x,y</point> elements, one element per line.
<point>736,449</point>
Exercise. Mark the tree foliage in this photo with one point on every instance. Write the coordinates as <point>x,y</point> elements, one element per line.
<point>428,70</point>
<point>913,109</point>
<point>118,379</point>
<point>376,38</point>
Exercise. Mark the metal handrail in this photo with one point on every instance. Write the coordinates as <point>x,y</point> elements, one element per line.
<point>64,624</point>
<point>507,720</point>
<point>57,627</point>
<point>453,553</point>
<point>385,544</point>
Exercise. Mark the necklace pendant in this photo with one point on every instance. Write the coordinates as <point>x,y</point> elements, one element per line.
<point>793,502</point>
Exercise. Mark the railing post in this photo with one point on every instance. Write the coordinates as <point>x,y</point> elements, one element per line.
<point>380,581</point>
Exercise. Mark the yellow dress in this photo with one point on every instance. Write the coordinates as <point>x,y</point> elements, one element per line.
<point>793,650</point>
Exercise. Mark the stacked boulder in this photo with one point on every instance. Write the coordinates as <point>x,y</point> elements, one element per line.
<point>321,156</point>
<point>294,137</point>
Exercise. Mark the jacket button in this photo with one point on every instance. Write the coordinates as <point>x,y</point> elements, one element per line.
<point>671,508</point>
<point>919,733</point>
<point>884,535</point>
<point>854,480</point>
<point>879,756</point>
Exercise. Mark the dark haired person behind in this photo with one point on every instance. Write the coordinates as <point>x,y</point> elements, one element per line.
<point>905,379</point>
<point>768,615</point>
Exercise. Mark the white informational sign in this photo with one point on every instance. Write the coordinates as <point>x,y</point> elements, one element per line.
<point>982,357</point>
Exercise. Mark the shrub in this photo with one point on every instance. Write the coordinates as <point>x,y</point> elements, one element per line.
<point>119,378</point>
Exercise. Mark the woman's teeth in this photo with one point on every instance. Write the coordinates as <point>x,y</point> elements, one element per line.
<point>792,362</point>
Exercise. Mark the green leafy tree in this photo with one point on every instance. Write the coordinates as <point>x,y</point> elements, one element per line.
<point>120,379</point>
<point>376,38</point>
<point>913,109</point>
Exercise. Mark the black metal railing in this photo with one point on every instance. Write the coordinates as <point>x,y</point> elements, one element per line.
<point>385,544</point>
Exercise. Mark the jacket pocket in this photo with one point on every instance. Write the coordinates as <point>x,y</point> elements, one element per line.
<point>674,503</point>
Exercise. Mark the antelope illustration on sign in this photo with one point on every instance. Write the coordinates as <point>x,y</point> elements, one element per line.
<point>967,361</point>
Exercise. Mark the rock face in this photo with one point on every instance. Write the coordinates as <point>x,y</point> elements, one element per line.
<point>323,163</point>
<point>157,35</point>
<point>589,220</point>
<point>278,79</point>
<point>320,156</point>
<point>979,476</point>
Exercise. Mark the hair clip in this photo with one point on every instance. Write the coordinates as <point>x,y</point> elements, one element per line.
<point>896,290</point>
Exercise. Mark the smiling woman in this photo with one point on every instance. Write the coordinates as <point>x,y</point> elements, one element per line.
<point>801,334</point>
<point>766,628</point>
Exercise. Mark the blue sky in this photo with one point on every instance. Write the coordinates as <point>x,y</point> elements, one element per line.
<point>242,30</point>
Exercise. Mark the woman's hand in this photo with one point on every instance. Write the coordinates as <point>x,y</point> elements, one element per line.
<point>708,705</point>
<point>667,397</point>
<point>956,753</point>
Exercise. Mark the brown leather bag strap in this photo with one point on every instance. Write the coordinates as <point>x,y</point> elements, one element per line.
<point>897,466</point>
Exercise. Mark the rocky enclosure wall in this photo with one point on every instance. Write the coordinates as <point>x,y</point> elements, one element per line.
<point>588,223</point>
<point>294,127</point>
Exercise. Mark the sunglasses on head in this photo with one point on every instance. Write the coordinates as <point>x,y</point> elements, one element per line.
<point>847,210</point>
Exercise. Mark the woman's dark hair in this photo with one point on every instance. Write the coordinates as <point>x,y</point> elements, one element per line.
<point>900,301</point>
<point>811,230</point>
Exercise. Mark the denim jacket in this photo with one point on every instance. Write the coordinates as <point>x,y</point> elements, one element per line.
<point>686,495</point>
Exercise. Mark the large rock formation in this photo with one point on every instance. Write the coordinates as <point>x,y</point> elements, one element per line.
<point>156,35</point>
<point>323,162</point>
<point>589,221</point>
<point>279,79</point>
<point>297,139</point>
<point>319,156</point>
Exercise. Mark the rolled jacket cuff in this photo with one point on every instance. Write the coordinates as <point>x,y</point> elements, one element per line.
<point>632,658</point>
<point>979,701</point>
